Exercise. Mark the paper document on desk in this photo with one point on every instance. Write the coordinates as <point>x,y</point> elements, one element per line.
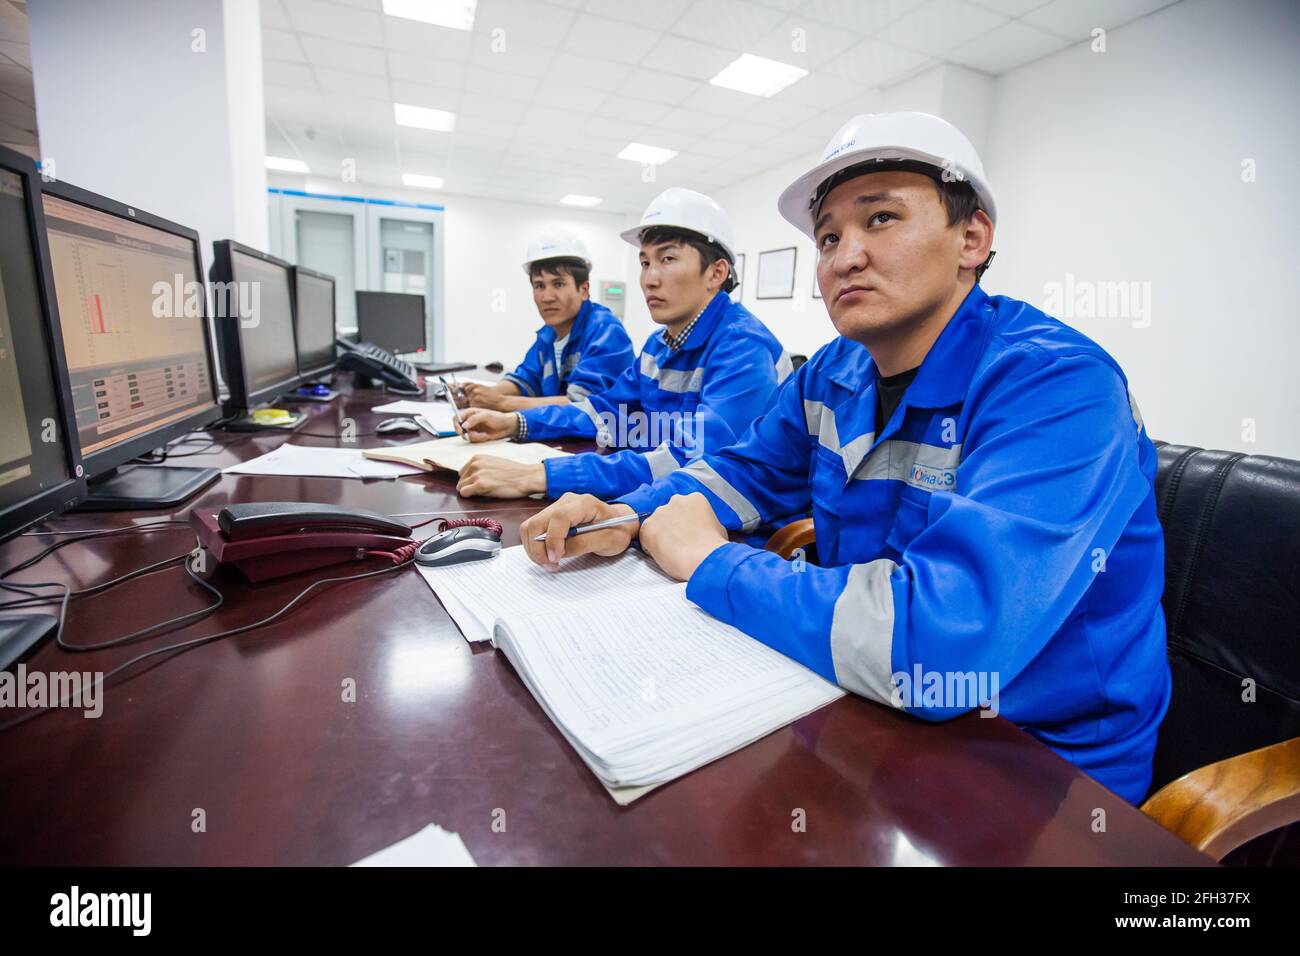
<point>308,462</point>
<point>453,453</point>
<point>432,846</point>
<point>643,684</point>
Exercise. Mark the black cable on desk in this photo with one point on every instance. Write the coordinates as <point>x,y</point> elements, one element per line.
<point>183,646</point>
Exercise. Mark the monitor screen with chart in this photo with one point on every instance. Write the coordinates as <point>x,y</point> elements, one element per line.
<point>135,332</point>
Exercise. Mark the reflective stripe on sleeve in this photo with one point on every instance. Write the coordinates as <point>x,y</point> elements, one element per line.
<point>862,632</point>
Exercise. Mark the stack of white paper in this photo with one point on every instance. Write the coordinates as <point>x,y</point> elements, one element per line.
<point>642,683</point>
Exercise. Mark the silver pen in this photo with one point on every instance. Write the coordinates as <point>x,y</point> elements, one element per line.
<point>599,525</point>
<point>460,417</point>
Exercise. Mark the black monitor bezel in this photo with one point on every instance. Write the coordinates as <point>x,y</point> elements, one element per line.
<point>102,462</point>
<point>424,316</point>
<point>228,330</point>
<point>57,499</point>
<point>308,374</point>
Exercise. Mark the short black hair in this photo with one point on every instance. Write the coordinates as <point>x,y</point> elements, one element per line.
<point>957,195</point>
<point>710,252</point>
<point>564,265</point>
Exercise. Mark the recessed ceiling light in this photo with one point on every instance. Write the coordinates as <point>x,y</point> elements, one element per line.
<point>575,199</point>
<point>422,117</point>
<point>285,165</point>
<point>457,14</point>
<point>641,153</point>
<point>757,75</point>
<point>421,181</point>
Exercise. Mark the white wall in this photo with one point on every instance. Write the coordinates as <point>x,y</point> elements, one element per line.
<point>133,104</point>
<point>487,300</point>
<point>802,324</point>
<point>1127,166</point>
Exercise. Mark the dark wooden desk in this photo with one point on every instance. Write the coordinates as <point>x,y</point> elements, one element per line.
<point>253,730</point>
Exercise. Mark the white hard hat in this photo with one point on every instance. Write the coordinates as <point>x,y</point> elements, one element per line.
<point>687,209</point>
<point>919,137</point>
<point>552,243</point>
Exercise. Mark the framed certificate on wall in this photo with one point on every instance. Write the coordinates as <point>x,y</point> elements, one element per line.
<point>776,274</point>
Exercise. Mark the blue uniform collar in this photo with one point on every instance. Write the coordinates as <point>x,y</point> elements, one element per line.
<point>947,368</point>
<point>547,334</point>
<point>705,324</point>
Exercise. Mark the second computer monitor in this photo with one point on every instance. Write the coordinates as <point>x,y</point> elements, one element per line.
<point>391,320</point>
<point>253,301</point>
<point>313,310</point>
<point>131,299</point>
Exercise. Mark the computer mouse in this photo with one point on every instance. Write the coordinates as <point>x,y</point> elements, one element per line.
<point>458,546</point>
<point>392,426</point>
<point>495,368</point>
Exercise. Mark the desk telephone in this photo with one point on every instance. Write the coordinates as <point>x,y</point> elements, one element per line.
<point>371,361</point>
<point>270,539</point>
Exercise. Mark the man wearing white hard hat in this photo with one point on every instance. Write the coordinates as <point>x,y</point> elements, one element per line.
<point>981,483</point>
<point>582,347</point>
<point>699,382</point>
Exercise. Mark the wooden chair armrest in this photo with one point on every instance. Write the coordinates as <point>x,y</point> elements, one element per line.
<point>1222,805</point>
<point>797,534</point>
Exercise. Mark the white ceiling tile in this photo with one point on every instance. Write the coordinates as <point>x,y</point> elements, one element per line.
<point>432,97</point>
<point>493,107</point>
<point>719,100</point>
<point>735,24</point>
<point>354,84</point>
<point>657,86</point>
<point>630,108</point>
<point>687,58</point>
<point>940,25</point>
<point>537,23</point>
<point>659,15</point>
<point>281,45</point>
<point>336,21</point>
<point>515,56</point>
<point>288,74</point>
<point>578,70</point>
<point>425,39</point>
<point>1011,8</point>
<point>352,57</point>
<point>805,43</point>
<point>579,99</point>
<point>861,16</point>
<point>423,69</point>
<point>610,39</point>
<point>503,85</point>
<point>1007,47</point>
<point>871,63</point>
<point>818,90</point>
<point>775,112</point>
<point>1076,19</point>
<point>689,121</point>
<point>744,133</point>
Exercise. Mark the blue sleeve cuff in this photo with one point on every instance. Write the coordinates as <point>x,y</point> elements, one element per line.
<point>708,586</point>
<point>643,501</point>
<point>562,474</point>
<point>524,387</point>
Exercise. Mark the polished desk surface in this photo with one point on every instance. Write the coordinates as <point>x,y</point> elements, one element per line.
<point>253,730</point>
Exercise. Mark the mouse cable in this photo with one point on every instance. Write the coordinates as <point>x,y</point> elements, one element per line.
<point>183,646</point>
<point>103,586</point>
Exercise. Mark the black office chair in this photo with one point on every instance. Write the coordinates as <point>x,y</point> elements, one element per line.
<point>1227,762</point>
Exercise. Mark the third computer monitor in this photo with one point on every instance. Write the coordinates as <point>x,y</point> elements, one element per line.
<point>313,310</point>
<point>253,296</point>
<point>391,320</point>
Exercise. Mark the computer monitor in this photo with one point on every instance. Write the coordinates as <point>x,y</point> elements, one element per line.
<point>135,333</point>
<point>313,313</point>
<point>252,292</point>
<point>391,320</point>
<point>40,466</point>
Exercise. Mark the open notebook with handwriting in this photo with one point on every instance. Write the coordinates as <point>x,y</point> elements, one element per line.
<point>644,685</point>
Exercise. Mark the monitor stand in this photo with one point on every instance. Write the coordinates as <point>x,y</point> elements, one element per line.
<point>18,632</point>
<point>141,487</point>
<point>315,392</point>
<point>250,422</point>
